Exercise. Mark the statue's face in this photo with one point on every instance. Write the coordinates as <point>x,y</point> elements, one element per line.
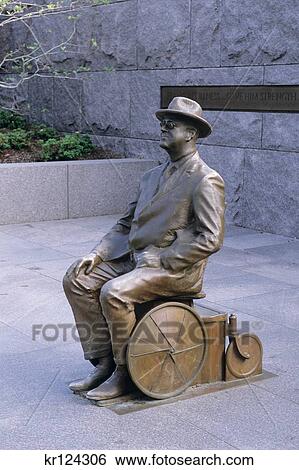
<point>175,133</point>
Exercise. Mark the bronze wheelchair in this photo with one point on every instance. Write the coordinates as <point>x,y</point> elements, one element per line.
<point>175,345</point>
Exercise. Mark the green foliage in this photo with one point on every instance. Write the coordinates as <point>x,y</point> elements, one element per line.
<point>69,147</point>
<point>10,8</point>
<point>15,139</point>
<point>51,149</point>
<point>83,68</point>
<point>93,42</point>
<point>102,2</point>
<point>109,69</point>
<point>4,142</point>
<point>52,6</point>
<point>75,145</point>
<point>10,120</point>
<point>18,139</point>
<point>43,132</point>
<point>17,134</point>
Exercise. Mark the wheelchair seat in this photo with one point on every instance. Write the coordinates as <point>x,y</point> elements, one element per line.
<point>187,299</point>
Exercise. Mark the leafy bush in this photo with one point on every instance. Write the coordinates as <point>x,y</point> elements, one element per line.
<point>4,142</point>
<point>75,146</point>
<point>69,147</point>
<point>15,139</point>
<point>43,132</point>
<point>10,120</point>
<point>18,139</point>
<point>18,135</point>
<point>51,149</point>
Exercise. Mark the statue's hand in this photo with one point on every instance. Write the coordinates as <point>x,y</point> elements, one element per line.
<point>149,257</point>
<point>87,263</point>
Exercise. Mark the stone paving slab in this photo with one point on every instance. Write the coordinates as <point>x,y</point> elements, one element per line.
<point>238,258</point>
<point>79,249</point>
<point>255,240</point>
<point>282,307</point>
<point>254,275</point>
<point>240,286</point>
<point>248,417</point>
<point>62,419</point>
<point>18,251</point>
<point>54,269</point>
<point>283,253</point>
<point>285,272</point>
<point>220,271</point>
<point>285,366</point>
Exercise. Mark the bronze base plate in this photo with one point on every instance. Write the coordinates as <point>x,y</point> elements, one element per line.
<point>136,401</point>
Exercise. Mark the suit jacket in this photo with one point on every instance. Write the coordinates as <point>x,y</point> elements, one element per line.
<point>182,222</point>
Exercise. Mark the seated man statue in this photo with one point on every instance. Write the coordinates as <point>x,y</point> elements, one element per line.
<point>159,248</point>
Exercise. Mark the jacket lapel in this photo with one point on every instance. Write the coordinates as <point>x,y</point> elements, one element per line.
<point>178,177</point>
<point>150,190</point>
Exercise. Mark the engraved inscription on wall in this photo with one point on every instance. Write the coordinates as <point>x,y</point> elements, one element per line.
<point>278,98</point>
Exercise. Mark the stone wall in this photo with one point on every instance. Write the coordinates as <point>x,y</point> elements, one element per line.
<point>125,51</point>
<point>33,192</point>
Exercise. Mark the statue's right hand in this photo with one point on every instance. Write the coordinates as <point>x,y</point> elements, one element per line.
<point>87,263</point>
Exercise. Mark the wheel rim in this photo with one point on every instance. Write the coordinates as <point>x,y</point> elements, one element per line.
<point>167,350</point>
<point>244,357</point>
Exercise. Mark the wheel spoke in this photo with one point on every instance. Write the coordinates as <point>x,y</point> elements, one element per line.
<point>165,337</point>
<point>181,327</point>
<point>159,375</point>
<point>183,378</point>
<point>151,352</point>
<point>152,369</point>
<point>187,349</point>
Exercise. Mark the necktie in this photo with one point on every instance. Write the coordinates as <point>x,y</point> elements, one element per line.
<point>169,170</point>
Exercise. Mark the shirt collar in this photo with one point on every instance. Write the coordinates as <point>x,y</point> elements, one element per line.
<point>181,161</point>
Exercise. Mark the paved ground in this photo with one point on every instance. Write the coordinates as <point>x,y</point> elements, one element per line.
<point>255,274</point>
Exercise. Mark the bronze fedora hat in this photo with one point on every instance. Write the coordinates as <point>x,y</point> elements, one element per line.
<point>182,106</point>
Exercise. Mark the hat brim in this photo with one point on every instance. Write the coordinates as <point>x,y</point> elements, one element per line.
<point>203,127</point>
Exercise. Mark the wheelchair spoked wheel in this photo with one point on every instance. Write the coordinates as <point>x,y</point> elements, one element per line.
<point>244,356</point>
<point>167,350</point>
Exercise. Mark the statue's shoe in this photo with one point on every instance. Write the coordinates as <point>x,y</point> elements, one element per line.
<point>100,373</point>
<point>118,384</point>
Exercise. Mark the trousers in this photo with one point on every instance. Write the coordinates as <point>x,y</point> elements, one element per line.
<point>103,302</point>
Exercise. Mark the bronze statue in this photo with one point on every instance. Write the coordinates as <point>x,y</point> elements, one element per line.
<point>159,248</point>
